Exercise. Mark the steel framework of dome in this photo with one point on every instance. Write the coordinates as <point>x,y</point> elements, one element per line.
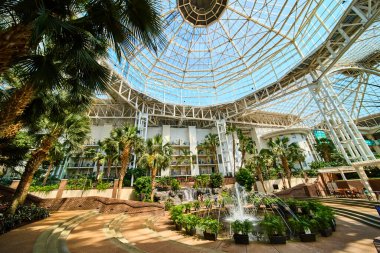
<point>259,63</point>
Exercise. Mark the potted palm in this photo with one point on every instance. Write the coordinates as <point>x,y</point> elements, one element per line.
<point>190,222</point>
<point>303,228</point>
<point>241,230</point>
<point>210,228</point>
<point>275,228</point>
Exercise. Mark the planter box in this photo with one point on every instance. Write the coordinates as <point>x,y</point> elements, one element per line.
<point>307,237</point>
<point>191,232</point>
<point>326,232</point>
<point>241,239</point>
<point>277,239</point>
<point>178,227</point>
<point>333,225</point>
<point>210,236</point>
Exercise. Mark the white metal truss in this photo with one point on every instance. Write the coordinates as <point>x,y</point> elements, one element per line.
<point>225,147</point>
<point>342,128</point>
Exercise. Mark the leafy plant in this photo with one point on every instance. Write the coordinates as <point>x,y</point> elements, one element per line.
<point>102,186</point>
<point>323,217</point>
<point>190,221</point>
<point>196,204</point>
<point>175,212</point>
<point>169,203</point>
<point>187,207</point>
<point>245,178</point>
<point>208,203</point>
<point>300,225</point>
<point>143,188</point>
<point>82,183</point>
<point>175,185</point>
<point>46,188</point>
<point>242,227</point>
<point>210,225</point>
<point>201,181</point>
<point>273,225</point>
<point>216,180</point>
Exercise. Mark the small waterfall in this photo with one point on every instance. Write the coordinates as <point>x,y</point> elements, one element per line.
<point>188,194</point>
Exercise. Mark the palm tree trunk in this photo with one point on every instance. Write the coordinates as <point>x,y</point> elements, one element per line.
<point>261,178</point>
<point>124,158</point>
<point>109,163</point>
<point>14,43</point>
<point>305,177</point>
<point>48,172</point>
<point>242,159</point>
<point>13,108</point>
<point>153,183</point>
<point>288,174</point>
<point>98,164</point>
<point>36,159</point>
<point>215,161</point>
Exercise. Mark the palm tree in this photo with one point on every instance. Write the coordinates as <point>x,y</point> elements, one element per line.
<point>253,163</point>
<point>246,145</point>
<point>297,155</point>
<point>61,43</point>
<point>27,25</point>
<point>128,142</point>
<point>111,149</point>
<point>157,156</point>
<point>98,157</point>
<point>231,129</point>
<point>54,157</point>
<point>55,124</point>
<point>266,160</point>
<point>325,148</point>
<point>279,147</point>
<point>212,143</point>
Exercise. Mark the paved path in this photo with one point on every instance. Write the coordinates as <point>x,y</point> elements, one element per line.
<point>154,234</point>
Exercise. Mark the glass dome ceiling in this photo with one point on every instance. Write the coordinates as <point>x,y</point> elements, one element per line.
<point>219,51</point>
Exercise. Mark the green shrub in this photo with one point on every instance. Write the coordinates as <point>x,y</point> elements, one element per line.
<point>143,188</point>
<point>169,203</point>
<point>242,227</point>
<point>208,203</point>
<point>190,221</point>
<point>103,186</point>
<point>79,184</point>
<point>175,212</point>
<point>216,180</point>
<point>273,225</point>
<point>303,223</point>
<point>196,204</point>
<point>202,181</point>
<point>188,206</point>
<point>175,185</point>
<point>43,188</point>
<point>210,225</point>
<point>245,178</point>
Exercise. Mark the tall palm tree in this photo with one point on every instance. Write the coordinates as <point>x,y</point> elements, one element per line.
<point>111,151</point>
<point>325,148</point>
<point>266,160</point>
<point>54,157</point>
<point>212,143</point>
<point>98,157</point>
<point>280,148</point>
<point>59,121</point>
<point>123,24</point>
<point>246,145</point>
<point>231,130</point>
<point>253,163</point>
<point>128,141</point>
<point>55,42</point>
<point>156,156</point>
<point>297,155</point>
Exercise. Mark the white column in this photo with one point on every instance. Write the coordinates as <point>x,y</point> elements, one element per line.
<point>193,150</point>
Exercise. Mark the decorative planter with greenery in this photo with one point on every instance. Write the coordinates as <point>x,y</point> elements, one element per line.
<point>176,213</point>
<point>190,222</point>
<point>196,205</point>
<point>208,203</point>
<point>323,217</point>
<point>241,230</point>
<point>303,228</point>
<point>274,227</point>
<point>187,207</point>
<point>210,228</point>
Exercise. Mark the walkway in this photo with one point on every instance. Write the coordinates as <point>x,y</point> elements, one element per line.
<point>119,233</point>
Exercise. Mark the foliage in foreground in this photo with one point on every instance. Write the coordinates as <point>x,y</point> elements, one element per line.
<point>23,214</point>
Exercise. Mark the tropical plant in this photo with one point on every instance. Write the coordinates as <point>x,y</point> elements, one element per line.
<point>254,165</point>
<point>208,203</point>
<point>169,203</point>
<point>59,121</point>
<point>69,34</point>
<point>216,180</point>
<point>143,188</point>
<point>174,185</point>
<point>246,146</point>
<point>55,156</point>
<point>98,157</point>
<point>245,178</point>
<point>273,225</point>
<point>297,155</point>
<point>175,212</point>
<point>187,207</point>
<point>325,148</point>
<point>196,205</point>
<point>157,156</point>
<point>111,150</point>
<point>128,142</point>
<point>211,142</point>
<point>201,181</point>
<point>280,148</point>
<point>210,225</point>
<point>242,227</point>
<point>190,222</point>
